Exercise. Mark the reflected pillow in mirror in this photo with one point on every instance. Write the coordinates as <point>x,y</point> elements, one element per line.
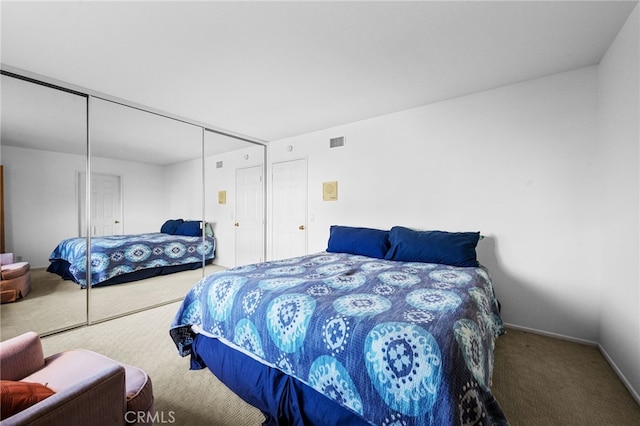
<point>189,228</point>
<point>208,229</point>
<point>170,226</point>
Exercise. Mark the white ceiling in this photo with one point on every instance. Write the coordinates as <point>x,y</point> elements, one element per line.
<point>271,70</point>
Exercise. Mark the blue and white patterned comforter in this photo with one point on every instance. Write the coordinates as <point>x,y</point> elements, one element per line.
<point>116,255</point>
<point>398,343</point>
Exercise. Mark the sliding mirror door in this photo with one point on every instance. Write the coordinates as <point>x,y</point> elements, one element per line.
<point>234,198</point>
<point>43,151</point>
<point>146,169</point>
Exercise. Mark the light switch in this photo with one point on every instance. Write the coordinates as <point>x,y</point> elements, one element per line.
<point>222,197</point>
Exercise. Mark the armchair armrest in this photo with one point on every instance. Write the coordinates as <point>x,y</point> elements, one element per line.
<point>98,400</point>
<point>21,356</point>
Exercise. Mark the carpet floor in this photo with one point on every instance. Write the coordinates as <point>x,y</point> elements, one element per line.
<point>55,304</point>
<point>538,380</point>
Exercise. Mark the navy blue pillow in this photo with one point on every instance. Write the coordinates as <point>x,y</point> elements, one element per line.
<point>170,226</point>
<point>190,228</point>
<point>447,248</point>
<point>363,241</point>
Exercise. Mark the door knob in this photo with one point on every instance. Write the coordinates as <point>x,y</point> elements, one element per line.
<point>301,227</point>
<point>117,221</point>
<point>236,224</point>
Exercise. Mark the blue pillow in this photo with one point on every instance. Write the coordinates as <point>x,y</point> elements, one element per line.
<point>363,241</point>
<point>170,226</point>
<point>447,248</point>
<point>190,228</point>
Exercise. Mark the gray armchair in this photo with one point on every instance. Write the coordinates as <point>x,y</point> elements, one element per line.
<point>89,387</point>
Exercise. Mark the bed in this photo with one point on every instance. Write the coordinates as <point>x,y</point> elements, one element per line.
<point>385,327</point>
<point>125,258</point>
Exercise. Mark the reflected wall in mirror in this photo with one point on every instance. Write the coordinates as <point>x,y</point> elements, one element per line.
<point>43,150</point>
<point>146,169</point>
<point>234,198</point>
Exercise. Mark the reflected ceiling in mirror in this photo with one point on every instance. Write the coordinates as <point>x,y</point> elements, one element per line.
<point>39,117</point>
<point>125,133</point>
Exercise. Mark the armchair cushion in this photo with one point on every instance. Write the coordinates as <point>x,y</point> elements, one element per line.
<point>70,367</point>
<point>16,396</point>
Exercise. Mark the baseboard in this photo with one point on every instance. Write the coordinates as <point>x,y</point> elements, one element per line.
<point>621,376</point>
<point>549,334</point>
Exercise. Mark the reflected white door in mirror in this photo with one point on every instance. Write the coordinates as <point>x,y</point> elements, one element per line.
<point>106,201</point>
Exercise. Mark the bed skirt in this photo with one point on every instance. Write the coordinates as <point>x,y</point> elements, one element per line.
<point>283,399</point>
<point>61,267</point>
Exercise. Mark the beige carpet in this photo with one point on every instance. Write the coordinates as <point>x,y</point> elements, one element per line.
<point>54,304</point>
<point>537,380</point>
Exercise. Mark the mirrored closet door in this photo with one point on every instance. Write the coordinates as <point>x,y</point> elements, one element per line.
<point>43,151</point>
<point>83,171</point>
<point>146,169</point>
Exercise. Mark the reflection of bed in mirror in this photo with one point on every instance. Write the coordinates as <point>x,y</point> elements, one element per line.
<point>119,259</point>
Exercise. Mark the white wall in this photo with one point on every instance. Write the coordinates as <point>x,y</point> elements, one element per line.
<point>619,92</point>
<point>518,163</point>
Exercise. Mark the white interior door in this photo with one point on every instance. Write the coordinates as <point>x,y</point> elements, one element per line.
<point>289,209</point>
<point>249,216</point>
<point>106,204</point>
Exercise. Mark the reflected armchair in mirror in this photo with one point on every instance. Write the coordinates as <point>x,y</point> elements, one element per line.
<point>117,259</point>
<point>16,278</point>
